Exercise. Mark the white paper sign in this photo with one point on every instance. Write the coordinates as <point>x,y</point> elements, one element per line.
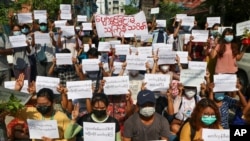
<point>200,35</point>
<point>86,26</point>
<point>213,20</point>
<point>155,10</point>
<point>146,51</point>
<point>24,18</point>
<point>18,41</point>
<point>166,56</point>
<point>183,55</point>
<point>156,46</point>
<point>43,128</point>
<point>197,65</point>
<point>98,131</point>
<point>117,67</point>
<point>40,14</point>
<point>60,23</point>
<point>42,38</point>
<point>188,20</point>
<point>225,83</point>
<point>147,38</point>
<point>47,82</point>
<point>122,49</point>
<point>136,62</point>
<point>118,25</point>
<point>79,89</point>
<point>104,47</point>
<point>11,85</point>
<point>90,64</point>
<point>116,85</point>
<point>215,134</point>
<point>68,31</point>
<point>135,87</point>
<point>157,82</point>
<point>161,23</point>
<point>64,59</point>
<point>65,10</point>
<point>180,17</point>
<point>186,38</point>
<point>129,35</point>
<point>82,18</point>
<point>190,77</point>
<point>240,27</point>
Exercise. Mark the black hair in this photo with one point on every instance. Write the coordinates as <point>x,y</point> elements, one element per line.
<point>25,26</point>
<point>46,92</point>
<point>170,29</point>
<point>65,50</point>
<point>93,52</point>
<point>100,97</point>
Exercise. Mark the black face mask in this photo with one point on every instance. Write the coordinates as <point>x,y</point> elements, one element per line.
<point>44,109</point>
<point>99,113</point>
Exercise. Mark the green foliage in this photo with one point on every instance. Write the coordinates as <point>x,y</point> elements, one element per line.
<point>130,9</point>
<point>6,7</point>
<point>168,10</point>
<point>52,6</point>
<point>11,106</point>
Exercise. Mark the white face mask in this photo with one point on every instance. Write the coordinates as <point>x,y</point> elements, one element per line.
<point>134,72</point>
<point>147,111</point>
<point>165,68</point>
<point>190,93</point>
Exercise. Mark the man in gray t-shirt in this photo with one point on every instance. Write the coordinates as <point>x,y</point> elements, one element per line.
<point>4,51</point>
<point>146,124</point>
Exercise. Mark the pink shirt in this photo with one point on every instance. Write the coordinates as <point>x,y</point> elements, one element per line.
<point>227,63</point>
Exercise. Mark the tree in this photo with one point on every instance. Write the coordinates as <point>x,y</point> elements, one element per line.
<point>131,8</point>
<point>168,10</point>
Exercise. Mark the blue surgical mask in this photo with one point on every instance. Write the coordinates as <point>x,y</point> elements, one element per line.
<point>214,33</point>
<point>219,96</point>
<point>229,38</point>
<point>208,120</point>
<point>43,28</point>
<point>16,33</point>
<point>25,30</point>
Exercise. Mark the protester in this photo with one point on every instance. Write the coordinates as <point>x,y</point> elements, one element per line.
<point>146,124</point>
<point>5,50</point>
<point>205,115</point>
<point>227,52</point>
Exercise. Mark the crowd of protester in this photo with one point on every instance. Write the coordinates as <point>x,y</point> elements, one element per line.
<point>152,115</point>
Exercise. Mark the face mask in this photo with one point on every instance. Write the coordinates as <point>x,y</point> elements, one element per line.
<point>25,30</point>
<point>229,38</point>
<point>214,32</point>
<point>161,30</point>
<point>208,120</point>
<point>190,93</point>
<point>16,33</point>
<point>165,68</point>
<point>134,72</point>
<point>99,113</point>
<point>147,111</point>
<point>43,28</point>
<point>44,109</point>
<point>219,96</point>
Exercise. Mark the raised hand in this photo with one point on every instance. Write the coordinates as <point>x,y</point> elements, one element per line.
<point>19,82</point>
<point>75,112</point>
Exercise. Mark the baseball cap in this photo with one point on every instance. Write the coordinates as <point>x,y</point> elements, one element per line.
<point>145,96</point>
<point>42,21</point>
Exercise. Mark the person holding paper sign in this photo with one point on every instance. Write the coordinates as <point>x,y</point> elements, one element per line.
<point>44,52</point>
<point>44,111</point>
<point>146,124</point>
<point>224,102</point>
<point>21,62</point>
<point>99,104</point>
<point>227,53</point>
<point>205,115</point>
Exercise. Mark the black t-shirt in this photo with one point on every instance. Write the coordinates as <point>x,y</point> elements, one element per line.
<point>88,118</point>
